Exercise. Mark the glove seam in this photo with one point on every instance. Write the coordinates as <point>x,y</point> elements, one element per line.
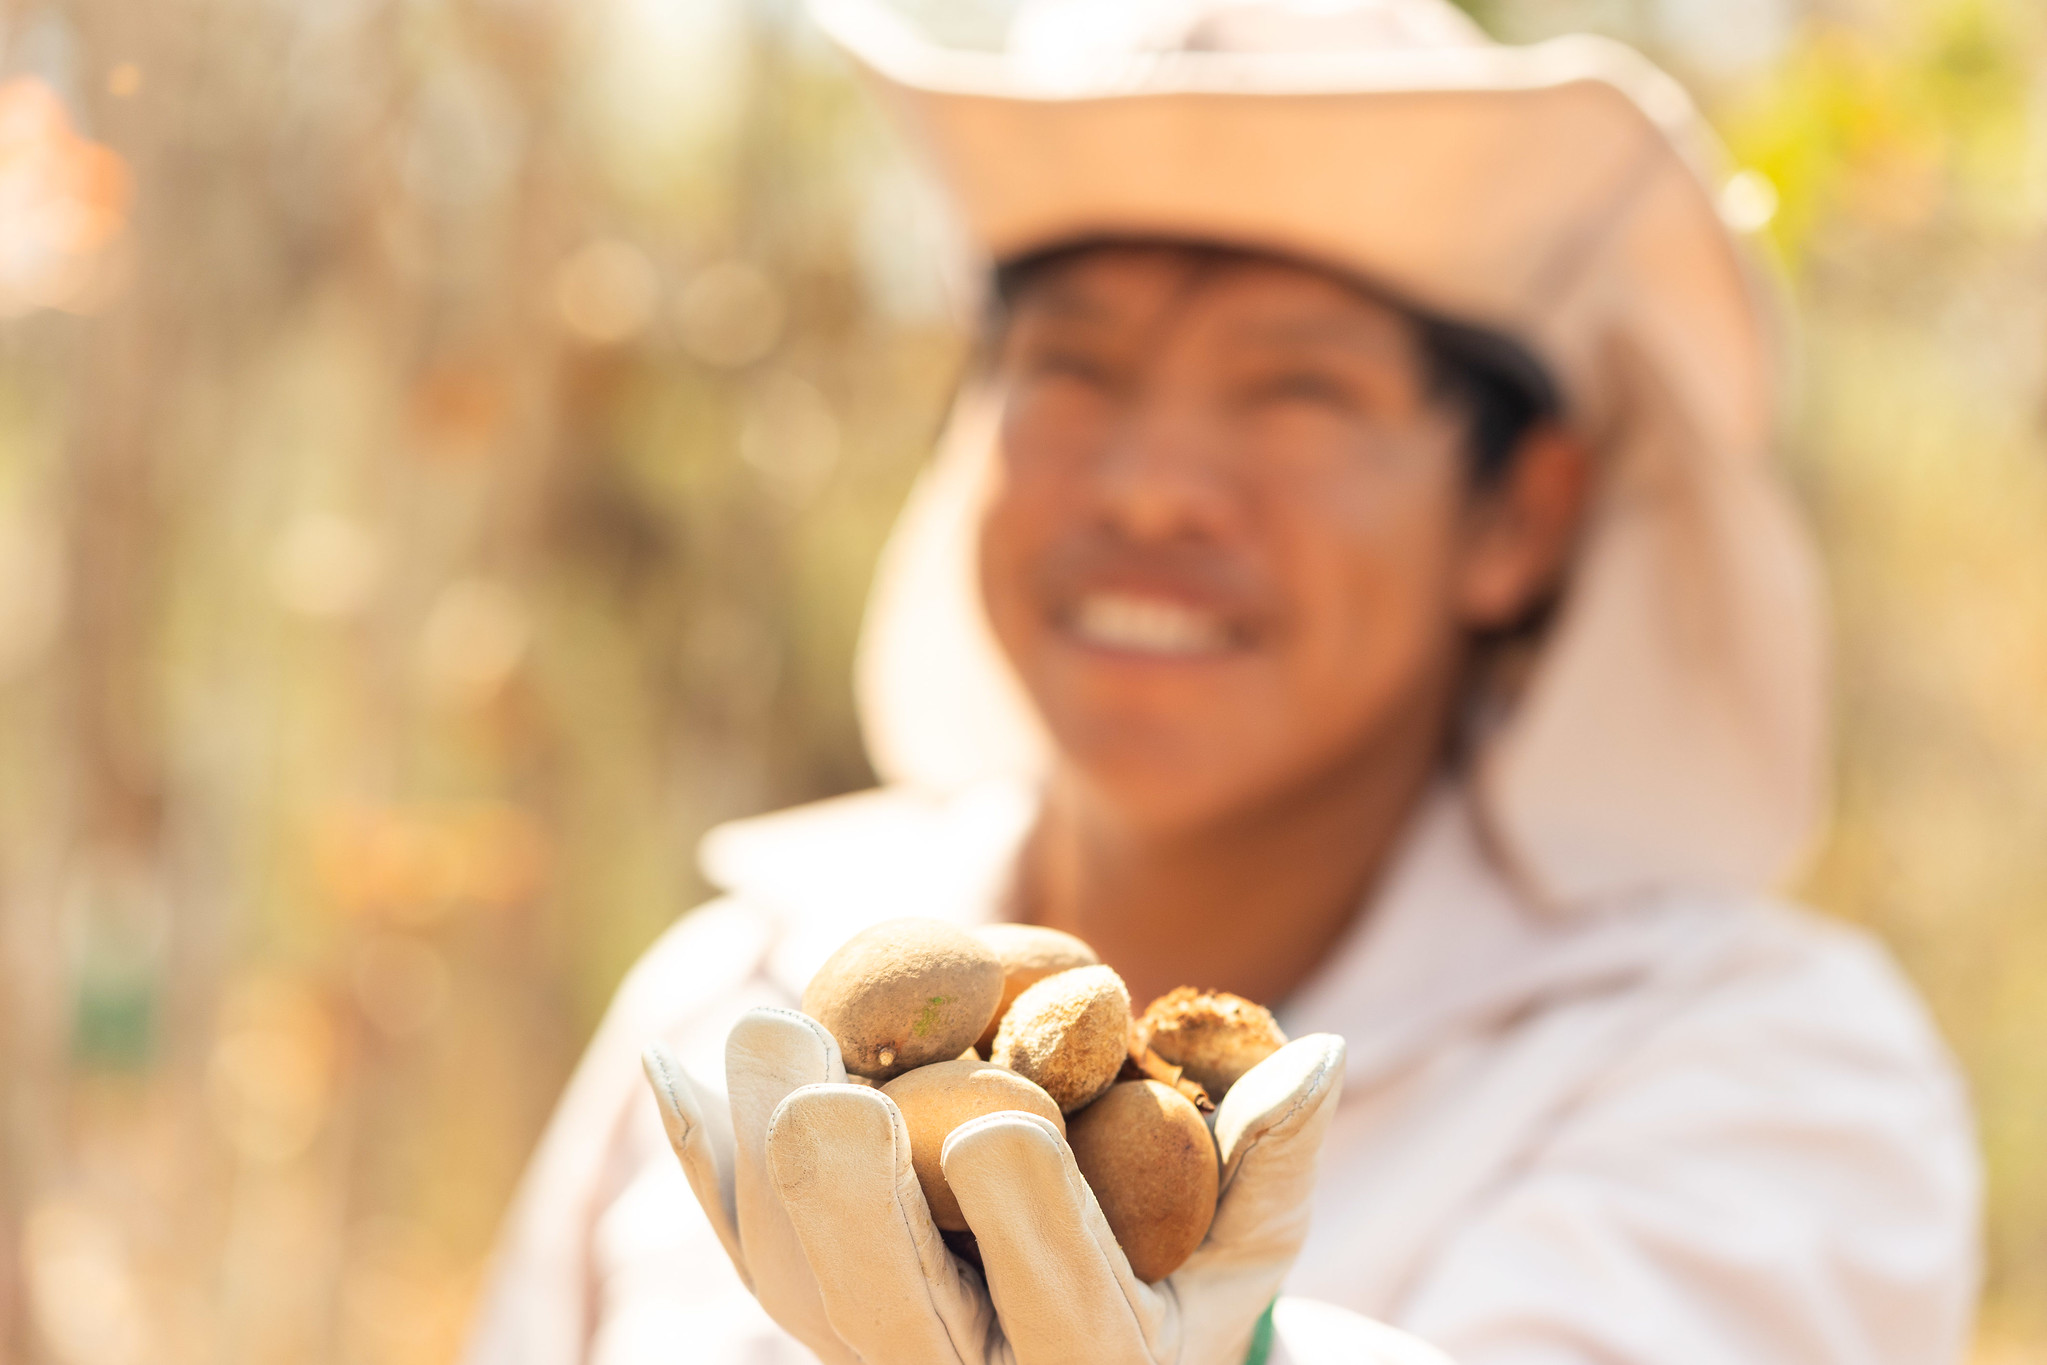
<point>895,1156</point>
<point>1302,1095</point>
<point>723,1217</point>
<point>817,1030</point>
<point>668,1093</point>
<point>1072,1172</point>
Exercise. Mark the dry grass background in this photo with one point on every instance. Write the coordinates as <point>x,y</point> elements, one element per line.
<point>442,447</point>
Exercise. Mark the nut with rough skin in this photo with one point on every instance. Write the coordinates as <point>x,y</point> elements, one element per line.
<point>1148,1156</point>
<point>905,993</point>
<point>938,1098</point>
<point>1214,1036</point>
<point>1069,1032</point>
<point>1029,953</point>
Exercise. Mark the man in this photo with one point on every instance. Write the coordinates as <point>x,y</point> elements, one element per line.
<point>1355,582</point>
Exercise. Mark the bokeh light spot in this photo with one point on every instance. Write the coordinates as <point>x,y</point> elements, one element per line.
<point>1748,201</point>
<point>81,1286</point>
<point>606,292</point>
<point>473,641</point>
<point>324,566</point>
<point>789,436</point>
<point>63,201</point>
<point>270,1080</point>
<point>400,984</point>
<point>730,315</point>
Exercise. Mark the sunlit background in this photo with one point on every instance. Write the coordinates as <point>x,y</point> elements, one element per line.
<point>443,444</point>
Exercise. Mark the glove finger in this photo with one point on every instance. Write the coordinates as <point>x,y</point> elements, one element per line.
<point>770,1053</point>
<point>701,1135</point>
<point>1269,1132</point>
<point>1062,1288</point>
<point>841,1161</point>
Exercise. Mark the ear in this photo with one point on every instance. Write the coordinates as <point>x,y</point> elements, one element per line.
<point>1521,529</point>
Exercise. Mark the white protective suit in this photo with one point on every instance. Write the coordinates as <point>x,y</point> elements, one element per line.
<point>1689,1128</point>
<point>1607,1102</point>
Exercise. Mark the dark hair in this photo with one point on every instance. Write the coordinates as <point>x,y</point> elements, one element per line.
<point>1500,387</point>
<point>1503,390</point>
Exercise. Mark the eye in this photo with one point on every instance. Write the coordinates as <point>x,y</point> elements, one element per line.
<point>1083,366</point>
<point>1306,386</point>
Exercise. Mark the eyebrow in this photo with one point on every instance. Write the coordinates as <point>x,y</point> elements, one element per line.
<point>1066,304</point>
<point>1059,302</point>
<point>1305,333</point>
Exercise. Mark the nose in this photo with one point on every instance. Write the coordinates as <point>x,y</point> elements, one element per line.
<point>1164,477</point>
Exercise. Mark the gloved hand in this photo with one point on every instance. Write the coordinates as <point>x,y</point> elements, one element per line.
<point>813,1196</point>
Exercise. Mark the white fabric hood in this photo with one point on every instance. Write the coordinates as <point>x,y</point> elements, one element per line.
<point>1673,731</point>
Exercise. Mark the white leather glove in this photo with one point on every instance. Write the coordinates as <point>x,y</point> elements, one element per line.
<point>814,1198</point>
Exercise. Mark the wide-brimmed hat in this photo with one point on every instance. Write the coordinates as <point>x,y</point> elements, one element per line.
<point>1671,732</point>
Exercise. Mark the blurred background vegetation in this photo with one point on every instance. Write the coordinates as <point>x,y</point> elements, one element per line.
<point>443,444</point>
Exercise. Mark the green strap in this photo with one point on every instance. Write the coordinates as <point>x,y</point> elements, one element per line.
<point>1261,1338</point>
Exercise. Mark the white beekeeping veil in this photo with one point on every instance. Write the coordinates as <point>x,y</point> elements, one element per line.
<point>1672,729</point>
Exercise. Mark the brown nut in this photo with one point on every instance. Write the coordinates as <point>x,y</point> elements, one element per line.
<point>905,993</point>
<point>1149,1158</point>
<point>1213,1036</point>
<point>938,1098</point>
<point>1029,953</point>
<point>1070,1033</point>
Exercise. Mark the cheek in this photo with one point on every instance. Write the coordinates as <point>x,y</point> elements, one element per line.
<point>1027,506</point>
<point>1002,556</point>
<point>1049,441</point>
<point>1372,581</point>
<point>1053,428</point>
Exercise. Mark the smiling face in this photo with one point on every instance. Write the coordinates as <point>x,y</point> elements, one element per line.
<point>1234,546</point>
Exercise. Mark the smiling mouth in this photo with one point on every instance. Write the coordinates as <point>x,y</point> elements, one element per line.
<point>1133,623</point>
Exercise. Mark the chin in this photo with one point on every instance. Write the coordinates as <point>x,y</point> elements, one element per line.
<point>1162,741</point>
<point>1153,775</point>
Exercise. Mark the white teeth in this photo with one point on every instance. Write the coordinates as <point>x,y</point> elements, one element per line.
<point>1149,625</point>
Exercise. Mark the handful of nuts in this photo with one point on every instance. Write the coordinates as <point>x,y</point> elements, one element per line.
<point>953,1024</point>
